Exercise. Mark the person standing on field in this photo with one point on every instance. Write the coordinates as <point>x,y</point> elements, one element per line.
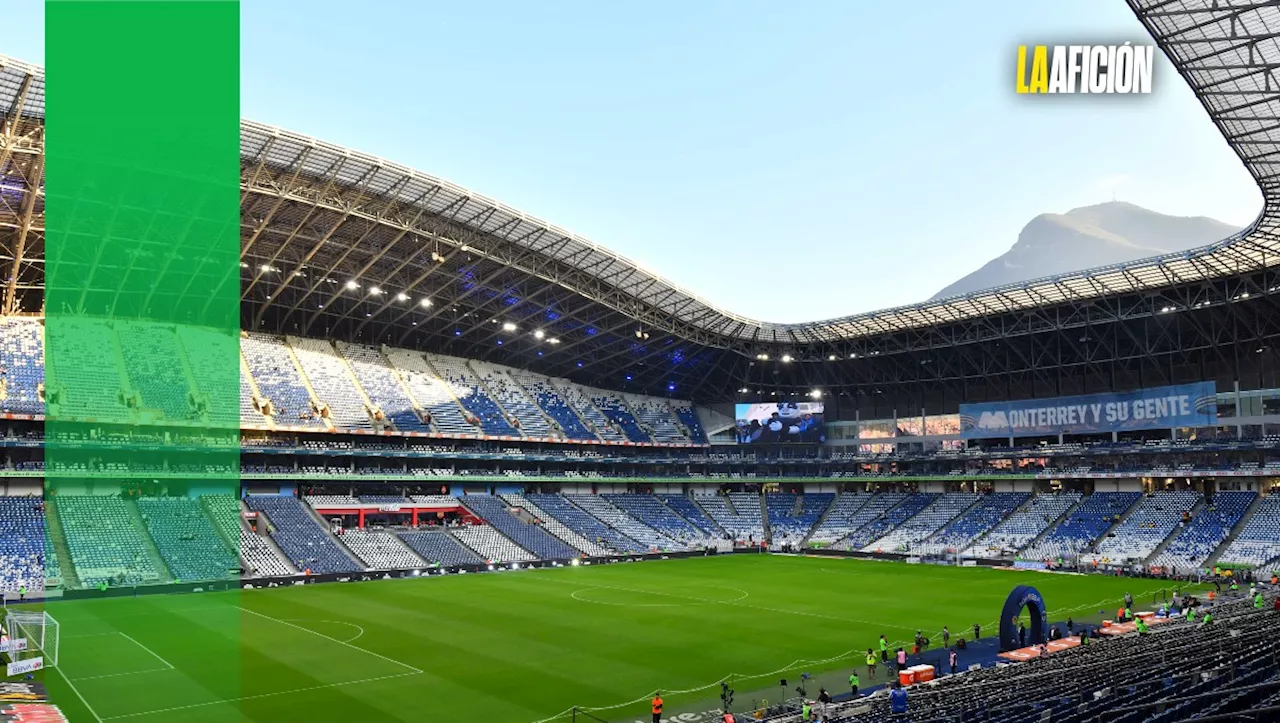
<point>946,637</point>
<point>884,650</point>
<point>854,684</point>
<point>656,705</point>
<point>977,632</point>
<point>871,664</point>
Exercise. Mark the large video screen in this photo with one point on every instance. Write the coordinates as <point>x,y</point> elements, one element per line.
<point>781,423</point>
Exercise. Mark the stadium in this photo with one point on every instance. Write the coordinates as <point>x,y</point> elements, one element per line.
<point>481,467</point>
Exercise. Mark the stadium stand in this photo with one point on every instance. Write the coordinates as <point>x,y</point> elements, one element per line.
<point>491,545</point>
<point>383,387</point>
<point>260,558</point>
<point>929,520</point>
<point>513,399</point>
<point>792,517</point>
<point>1154,519</point>
<point>299,534</point>
<point>689,511</point>
<point>634,529</point>
<point>433,394</point>
<point>99,395</point>
<point>1025,525</point>
<point>473,396</point>
<point>1258,542</point>
<point>738,525</point>
<point>615,409</point>
<point>689,417</point>
<point>840,518</point>
<point>990,510</point>
<point>22,365</point>
<point>185,536</point>
<point>271,365</point>
<point>577,519</point>
<point>577,398</point>
<point>885,523</point>
<point>440,548</point>
<point>147,350</point>
<point>1197,540</point>
<point>333,382</point>
<point>555,527</point>
<point>529,536</point>
<point>1095,515</point>
<point>202,350</point>
<point>541,391</point>
<point>380,550</point>
<point>105,541</point>
<point>656,418</point>
<point>22,544</point>
<point>650,510</point>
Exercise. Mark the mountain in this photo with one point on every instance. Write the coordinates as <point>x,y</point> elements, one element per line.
<point>1083,238</point>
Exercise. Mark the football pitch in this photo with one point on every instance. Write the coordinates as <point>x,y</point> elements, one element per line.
<point>524,646</point>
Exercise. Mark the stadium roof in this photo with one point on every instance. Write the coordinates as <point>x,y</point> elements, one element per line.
<point>342,243</point>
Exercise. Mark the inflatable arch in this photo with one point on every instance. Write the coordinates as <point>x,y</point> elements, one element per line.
<point>1023,596</point>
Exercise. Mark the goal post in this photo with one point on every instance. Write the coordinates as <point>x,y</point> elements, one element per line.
<point>30,642</point>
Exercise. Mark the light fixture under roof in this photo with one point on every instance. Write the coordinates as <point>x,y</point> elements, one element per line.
<point>425,302</point>
<point>508,326</point>
<point>539,334</point>
<point>402,296</point>
<point>375,291</point>
<point>352,285</point>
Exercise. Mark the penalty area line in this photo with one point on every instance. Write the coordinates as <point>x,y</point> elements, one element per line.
<point>334,640</point>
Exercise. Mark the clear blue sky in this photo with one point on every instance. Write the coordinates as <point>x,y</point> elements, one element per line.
<point>787,161</point>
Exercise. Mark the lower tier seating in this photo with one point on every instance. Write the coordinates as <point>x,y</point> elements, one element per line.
<point>300,536</point>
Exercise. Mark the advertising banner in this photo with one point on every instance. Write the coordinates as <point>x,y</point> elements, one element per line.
<point>25,666</point>
<point>1186,405</point>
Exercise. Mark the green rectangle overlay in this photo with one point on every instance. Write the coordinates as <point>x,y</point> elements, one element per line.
<point>142,320</point>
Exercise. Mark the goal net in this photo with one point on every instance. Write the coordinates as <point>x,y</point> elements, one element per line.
<point>28,642</point>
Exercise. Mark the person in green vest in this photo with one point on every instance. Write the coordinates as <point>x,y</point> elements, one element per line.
<point>871,664</point>
<point>22,593</point>
<point>1208,618</point>
<point>1128,613</point>
<point>884,649</point>
<point>806,712</point>
<point>1257,601</point>
<point>1191,614</point>
<point>1235,587</point>
<point>1142,626</point>
<point>854,684</point>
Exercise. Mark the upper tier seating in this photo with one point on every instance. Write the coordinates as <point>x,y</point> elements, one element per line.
<point>513,399</point>
<point>577,398</point>
<point>277,377</point>
<point>556,527</point>
<point>333,383</point>
<point>259,558</point>
<point>434,395</point>
<point>300,536</point>
<point>22,361</point>
<point>22,544</point>
<point>529,536</point>
<point>923,524</point>
<point>1259,541</point>
<point>249,414</point>
<point>1206,531</point>
<point>208,352</point>
<point>380,550</point>
<point>557,408</point>
<point>473,396</point>
<point>1025,525</point>
<point>491,545</point>
<point>150,352</point>
<point>689,417</point>
<point>615,409</point>
<point>1142,532</point>
<point>186,539</point>
<point>689,510</point>
<point>577,519</point>
<point>438,547</point>
<point>607,513</point>
<point>656,415</point>
<point>89,370</point>
<point>650,510</point>
<point>880,526</point>
<point>990,510</point>
<point>105,542</point>
<point>380,382</point>
<point>1086,524</point>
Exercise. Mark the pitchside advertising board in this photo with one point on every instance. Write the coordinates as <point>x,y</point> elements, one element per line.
<point>1185,405</point>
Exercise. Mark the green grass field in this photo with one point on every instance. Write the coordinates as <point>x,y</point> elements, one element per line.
<point>524,646</point>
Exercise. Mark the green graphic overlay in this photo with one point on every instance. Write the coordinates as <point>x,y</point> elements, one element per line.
<point>141,333</point>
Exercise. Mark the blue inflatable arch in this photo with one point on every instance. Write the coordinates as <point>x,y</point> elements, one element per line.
<point>1023,596</point>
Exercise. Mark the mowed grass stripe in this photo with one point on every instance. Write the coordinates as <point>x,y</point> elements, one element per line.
<point>518,647</point>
